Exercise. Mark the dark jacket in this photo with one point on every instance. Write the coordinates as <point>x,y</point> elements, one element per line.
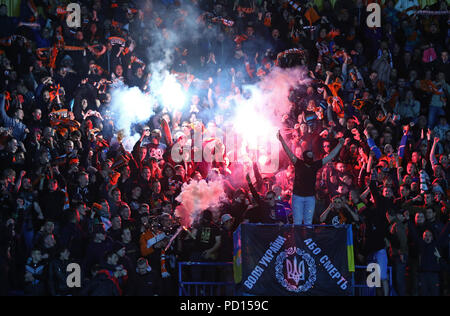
<point>39,271</point>
<point>148,284</point>
<point>237,211</point>
<point>57,278</point>
<point>226,246</point>
<point>376,223</point>
<point>101,285</point>
<point>75,238</point>
<point>381,202</point>
<point>95,253</point>
<point>52,204</point>
<point>428,261</point>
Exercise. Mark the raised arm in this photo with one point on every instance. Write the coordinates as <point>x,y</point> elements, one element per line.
<point>361,173</point>
<point>373,147</point>
<point>403,142</point>
<point>344,68</point>
<point>324,215</point>
<point>253,190</point>
<point>365,194</point>
<point>433,159</point>
<point>334,152</point>
<point>373,187</point>
<point>167,132</point>
<point>258,177</point>
<point>352,212</point>
<point>18,184</point>
<point>370,162</point>
<point>4,117</point>
<point>399,175</point>
<point>286,148</point>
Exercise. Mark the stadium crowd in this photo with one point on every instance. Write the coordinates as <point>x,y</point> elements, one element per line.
<point>374,112</point>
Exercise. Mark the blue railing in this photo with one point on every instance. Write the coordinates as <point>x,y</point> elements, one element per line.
<point>204,288</point>
<point>361,289</point>
<point>209,288</point>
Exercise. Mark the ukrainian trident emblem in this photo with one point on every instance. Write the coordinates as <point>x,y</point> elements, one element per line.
<point>295,270</point>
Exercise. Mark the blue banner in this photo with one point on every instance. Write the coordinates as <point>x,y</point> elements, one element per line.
<point>292,260</point>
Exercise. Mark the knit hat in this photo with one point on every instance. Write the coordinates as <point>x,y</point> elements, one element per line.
<point>225,218</point>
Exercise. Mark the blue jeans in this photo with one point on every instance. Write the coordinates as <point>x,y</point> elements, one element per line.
<point>433,113</point>
<point>28,236</point>
<point>400,275</point>
<point>381,258</point>
<point>303,209</point>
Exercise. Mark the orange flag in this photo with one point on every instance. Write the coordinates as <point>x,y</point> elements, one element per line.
<point>311,15</point>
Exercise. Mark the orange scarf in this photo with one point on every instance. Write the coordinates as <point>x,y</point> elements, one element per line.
<point>335,100</point>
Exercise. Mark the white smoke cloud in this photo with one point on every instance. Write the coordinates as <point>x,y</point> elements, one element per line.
<point>198,196</point>
<point>164,45</point>
<point>257,117</point>
<point>169,92</point>
<point>130,106</point>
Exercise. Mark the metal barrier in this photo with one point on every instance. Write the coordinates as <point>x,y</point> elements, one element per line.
<point>210,288</point>
<point>361,289</point>
<point>204,288</point>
